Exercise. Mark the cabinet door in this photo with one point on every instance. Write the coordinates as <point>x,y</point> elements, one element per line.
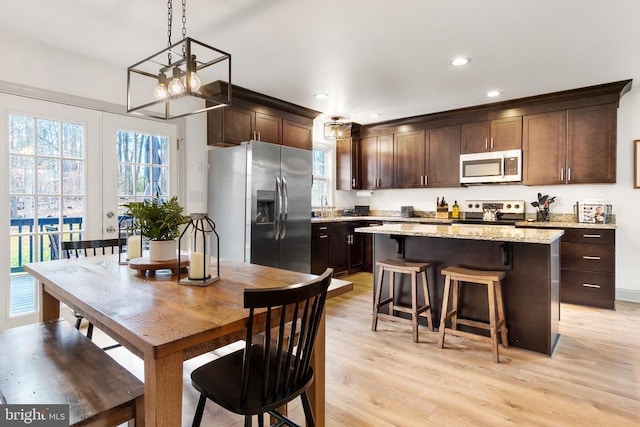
<point>268,128</point>
<point>591,148</point>
<point>237,125</point>
<point>320,252</point>
<point>409,156</point>
<point>443,157</point>
<point>544,147</point>
<point>297,135</point>
<point>475,137</point>
<point>339,252</point>
<point>369,162</point>
<point>385,161</point>
<point>355,251</point>
<point>347,164</point>
<point>506,134</point>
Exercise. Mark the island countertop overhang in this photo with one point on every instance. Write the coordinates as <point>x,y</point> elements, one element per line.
<point>469,232</point>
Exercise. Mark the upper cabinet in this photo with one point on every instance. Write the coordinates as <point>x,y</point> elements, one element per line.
<point>427,158</point>
<point>492,135</point>
<point>254,116</point>
<point>574,146</point>
<point>348,161</point>
<point>567,137</point>
<point>376,162</point>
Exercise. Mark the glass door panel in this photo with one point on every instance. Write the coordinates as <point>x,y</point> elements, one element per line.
<point>46,161</point>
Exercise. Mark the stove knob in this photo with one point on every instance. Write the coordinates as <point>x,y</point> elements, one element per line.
<point>517,206</point>
<point>470,205</point>
<point>477,205</point>
<point>508,206</point>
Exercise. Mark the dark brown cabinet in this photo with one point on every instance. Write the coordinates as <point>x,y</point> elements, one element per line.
<point>320,248</point>
<point>347,161</point>
<point>591,144</point>
<point>588,267</point>
<point>409,154</point>
<point>254,116</point>
<point>297,135</point>
<point>336,245</point>
<point>377,162</point>
<point>443,157</point>
<point>492,135</point>
<point>575,146</point>
<point>268,128</point>
<point>427,158</point>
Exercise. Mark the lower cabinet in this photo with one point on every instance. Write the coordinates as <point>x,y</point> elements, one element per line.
<point>588,260</point>
<point>336,245</point>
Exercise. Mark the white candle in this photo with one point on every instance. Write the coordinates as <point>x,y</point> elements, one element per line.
<point>199,264</point>
<point>133,246</point>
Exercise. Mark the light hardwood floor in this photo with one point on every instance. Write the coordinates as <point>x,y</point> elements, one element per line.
<point>384,379</point>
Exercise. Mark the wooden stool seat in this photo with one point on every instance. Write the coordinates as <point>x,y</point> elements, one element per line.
<point>497,321</point>
<point>53,363</point>
<point>413,269</point>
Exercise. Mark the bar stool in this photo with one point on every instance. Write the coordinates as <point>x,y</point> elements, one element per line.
<point>412,269</point>
<point>497,321</point>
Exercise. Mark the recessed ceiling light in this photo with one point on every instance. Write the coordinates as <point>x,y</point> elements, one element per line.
<point>321,96</point>
<point>493,93</point>
<point>374,115</point>
<point>457,62</point>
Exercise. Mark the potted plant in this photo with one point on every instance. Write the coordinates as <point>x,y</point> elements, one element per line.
<point>159,221</point>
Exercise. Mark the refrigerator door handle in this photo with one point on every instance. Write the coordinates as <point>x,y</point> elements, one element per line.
<point>285,199</point>
<point>278,208</point>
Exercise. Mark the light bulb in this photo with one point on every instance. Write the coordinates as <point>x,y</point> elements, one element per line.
<point>160,91</point>
<point>175,86</point>
<point>194,80</point>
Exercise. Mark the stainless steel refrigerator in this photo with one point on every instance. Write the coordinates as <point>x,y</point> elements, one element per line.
<point>260,200</point>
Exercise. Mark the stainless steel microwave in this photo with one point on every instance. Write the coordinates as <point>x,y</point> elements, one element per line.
<point>491,167</point>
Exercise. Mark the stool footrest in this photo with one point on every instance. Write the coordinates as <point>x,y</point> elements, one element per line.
<point>475,324</point>
<point>385,302</point>
<point>469,335</point>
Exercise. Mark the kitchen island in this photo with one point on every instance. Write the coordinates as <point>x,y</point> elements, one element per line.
<point>530,258</point>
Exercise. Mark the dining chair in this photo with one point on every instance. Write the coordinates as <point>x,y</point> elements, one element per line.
<point>54,241</point>
<point>274,367</point>
<point>87,248</point>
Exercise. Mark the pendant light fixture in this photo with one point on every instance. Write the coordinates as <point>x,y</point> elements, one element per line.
<point>337,128</point>
<point>181,80</point>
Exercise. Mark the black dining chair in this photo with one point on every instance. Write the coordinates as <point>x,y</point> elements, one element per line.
<point>87,248</point>
<point>54,241</point>
<point>274,367</point>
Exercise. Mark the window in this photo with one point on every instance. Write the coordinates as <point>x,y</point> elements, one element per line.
<point>321,176</point>
<point>143,166</point>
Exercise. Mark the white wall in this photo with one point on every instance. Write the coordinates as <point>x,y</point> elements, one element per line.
<point>44,68</point>
<point>624,198</point>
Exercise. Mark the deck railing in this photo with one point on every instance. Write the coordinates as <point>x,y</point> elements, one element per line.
<point>27,225</point>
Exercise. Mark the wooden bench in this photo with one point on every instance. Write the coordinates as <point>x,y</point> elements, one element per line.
<point>49,363</point>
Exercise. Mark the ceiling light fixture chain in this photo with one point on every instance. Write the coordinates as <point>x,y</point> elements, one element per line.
<point>169,25</point>
<point>184,26</point>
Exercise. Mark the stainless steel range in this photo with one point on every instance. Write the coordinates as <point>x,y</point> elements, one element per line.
<point>499,212</point>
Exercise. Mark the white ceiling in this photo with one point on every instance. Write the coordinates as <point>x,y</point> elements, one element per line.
<point>370,56</point>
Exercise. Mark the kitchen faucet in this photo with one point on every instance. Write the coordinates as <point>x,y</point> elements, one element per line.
<point>323,204</point>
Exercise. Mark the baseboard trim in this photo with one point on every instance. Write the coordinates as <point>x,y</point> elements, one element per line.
<point>631,295</point>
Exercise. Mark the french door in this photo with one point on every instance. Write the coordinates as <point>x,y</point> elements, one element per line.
<point>66,171</point>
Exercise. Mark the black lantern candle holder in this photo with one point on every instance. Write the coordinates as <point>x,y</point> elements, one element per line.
<point>201,254</point>
<point>129,237</point>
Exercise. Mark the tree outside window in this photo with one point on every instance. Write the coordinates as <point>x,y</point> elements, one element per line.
<point>321,176</point>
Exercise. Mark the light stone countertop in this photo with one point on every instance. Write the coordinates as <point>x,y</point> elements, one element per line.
<point>443,221</point>
<point>500,233</point>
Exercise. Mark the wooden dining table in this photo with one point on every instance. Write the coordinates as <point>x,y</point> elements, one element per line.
<point>165,323</point>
